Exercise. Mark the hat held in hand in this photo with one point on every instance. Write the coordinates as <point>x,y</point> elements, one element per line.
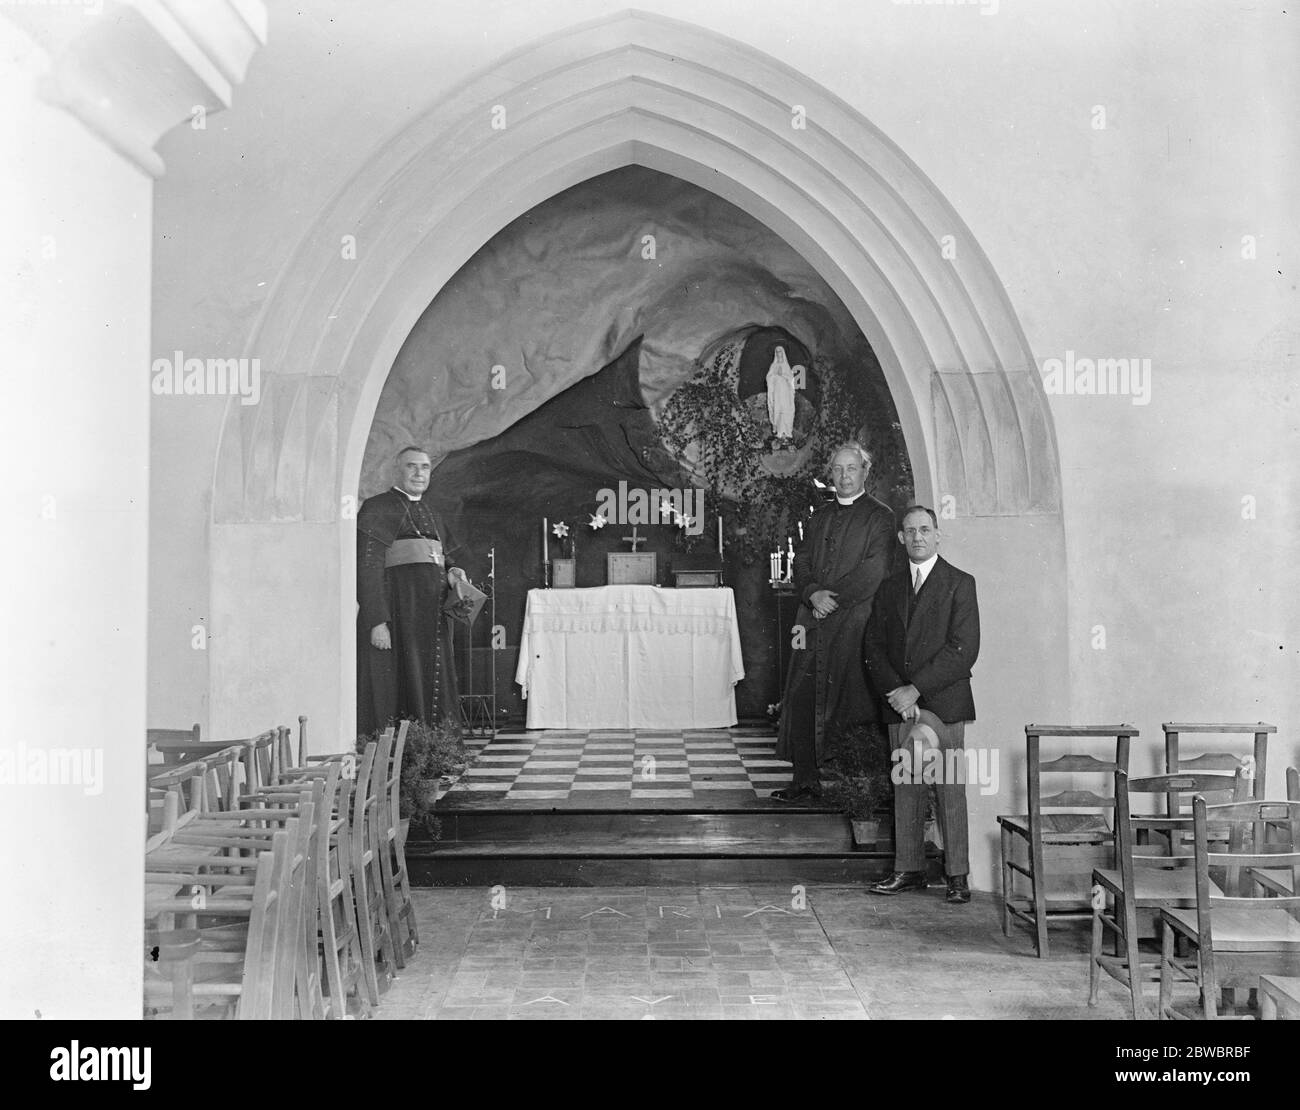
<point>924,730</point>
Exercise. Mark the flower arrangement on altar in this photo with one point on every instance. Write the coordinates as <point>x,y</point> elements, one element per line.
<point>565,541</point>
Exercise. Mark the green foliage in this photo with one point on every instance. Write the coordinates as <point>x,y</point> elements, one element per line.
<point>431,752</point>
<point>858,760</point>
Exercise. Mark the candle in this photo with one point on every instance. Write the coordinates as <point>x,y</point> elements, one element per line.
<point>801,531</point>
<point>546,548</point>
<point>719,533</point>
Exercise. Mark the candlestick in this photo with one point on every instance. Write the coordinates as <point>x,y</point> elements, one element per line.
<point>546,544</point>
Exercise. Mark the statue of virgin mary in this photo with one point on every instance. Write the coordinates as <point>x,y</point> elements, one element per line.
<point>780,395</point>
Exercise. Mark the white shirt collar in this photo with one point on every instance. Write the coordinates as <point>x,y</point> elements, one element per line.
<point>849,500</point>
<point>408,496</point>
<point>925,568</point>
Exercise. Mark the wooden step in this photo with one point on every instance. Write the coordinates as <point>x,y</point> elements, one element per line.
<point>489,871</point>
<point>599,828</point>
<point>486,846</point>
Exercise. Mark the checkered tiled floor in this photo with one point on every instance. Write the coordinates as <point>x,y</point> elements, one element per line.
<point>549,765</point>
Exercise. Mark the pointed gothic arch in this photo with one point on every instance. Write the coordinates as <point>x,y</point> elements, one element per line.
<point>630,89</point>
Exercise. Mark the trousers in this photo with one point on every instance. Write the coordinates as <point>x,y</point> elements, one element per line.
<point>910,806</point>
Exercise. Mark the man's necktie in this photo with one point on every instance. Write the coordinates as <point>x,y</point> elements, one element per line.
<point>916,582</point>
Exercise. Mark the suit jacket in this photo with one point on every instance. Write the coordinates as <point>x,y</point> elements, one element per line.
<point>930,641</point>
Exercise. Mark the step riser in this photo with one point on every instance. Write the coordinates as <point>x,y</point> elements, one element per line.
<point>474,827</point>
<point>861,867</point>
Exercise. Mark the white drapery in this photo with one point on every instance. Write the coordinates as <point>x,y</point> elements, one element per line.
<point>630,657</point>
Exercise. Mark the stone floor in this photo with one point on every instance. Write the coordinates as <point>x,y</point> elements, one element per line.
<point>748,952</point>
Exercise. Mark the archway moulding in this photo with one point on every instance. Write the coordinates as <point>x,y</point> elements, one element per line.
<point>640,89</point>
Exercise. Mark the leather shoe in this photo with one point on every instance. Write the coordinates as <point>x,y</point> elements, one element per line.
<point>958,890</point>
<point>795,794</point>
<point>898,882</point>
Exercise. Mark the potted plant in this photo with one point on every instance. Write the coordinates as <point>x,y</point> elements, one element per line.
<point>858,783</point>
<point>432,753</point>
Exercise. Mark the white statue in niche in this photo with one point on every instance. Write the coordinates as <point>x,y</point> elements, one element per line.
<point>780,395</point>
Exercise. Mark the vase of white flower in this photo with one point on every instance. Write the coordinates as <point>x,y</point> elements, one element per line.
<point>564,568</point>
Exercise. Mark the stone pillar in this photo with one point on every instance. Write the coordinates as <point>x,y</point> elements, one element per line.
<point>85,92</point>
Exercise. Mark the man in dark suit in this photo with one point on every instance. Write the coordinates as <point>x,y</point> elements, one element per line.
<point>921,642</point>
<point>837,569</point>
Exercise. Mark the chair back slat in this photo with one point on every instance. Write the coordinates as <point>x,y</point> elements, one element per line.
<point>1076,799</point>
<point>1086,764</point>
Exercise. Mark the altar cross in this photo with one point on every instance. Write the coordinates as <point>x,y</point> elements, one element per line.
<point>634,539</point>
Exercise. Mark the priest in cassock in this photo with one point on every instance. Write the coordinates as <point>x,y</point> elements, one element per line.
<point>844,556</point>
<point>405,667</point>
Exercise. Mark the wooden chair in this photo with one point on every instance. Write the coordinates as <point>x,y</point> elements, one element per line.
<point>159,740</point>
<point>338,940</point>
<point>378,954</point>
<point>284,758</point>
<point>1073,824</point>
<point>392,844</point>
<point>171,954</point>
<point>200,844</point>
<point>1254,760</point>
<point>1246,931</point>
<point>1152,872</point>
<point>1271,879</point>
<point>251,827</point>
<point>379,957</point>
<point>175,797</point>
<point>267,981</point>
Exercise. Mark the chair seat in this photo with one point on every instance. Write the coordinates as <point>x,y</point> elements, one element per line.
<point>1243,930</point>
<point>1063,828</point>
<point>1155,886</point>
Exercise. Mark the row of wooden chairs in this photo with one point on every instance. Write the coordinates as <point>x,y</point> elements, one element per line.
<point>1244,921</point>
<point>1156,868</point>
<point>1074,826</point>
<point>339,919</point>
<point>231,766</point>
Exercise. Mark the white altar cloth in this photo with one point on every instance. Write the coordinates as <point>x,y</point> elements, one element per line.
<point>630,657</point>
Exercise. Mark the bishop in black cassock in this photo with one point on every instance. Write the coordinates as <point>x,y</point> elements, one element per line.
<point>405,668</point>
<point>845,555</point>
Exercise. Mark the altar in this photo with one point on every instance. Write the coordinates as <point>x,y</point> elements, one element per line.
<point>630,657</point>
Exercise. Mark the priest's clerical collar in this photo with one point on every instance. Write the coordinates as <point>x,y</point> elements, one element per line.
<point>849,500</point>
<point>408,496</point>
